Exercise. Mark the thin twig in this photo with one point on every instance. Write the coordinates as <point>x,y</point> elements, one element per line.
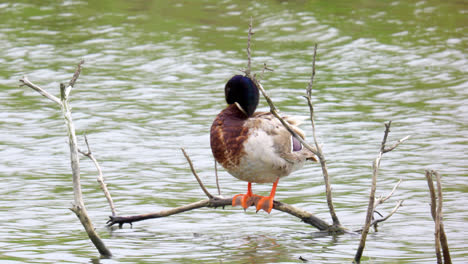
<point>249,57</point>
<point>396,144</point>
<point>312,76</point>
<point>217,179</point>
<point>208,194</point>
<point>376,221</point>
<point>76,75</point>
<point>100,177</point>
<point>265,68</point>
<point>319,152</point>
<point>25,81</point>
<point>274,111</point>
<point>381,200</point>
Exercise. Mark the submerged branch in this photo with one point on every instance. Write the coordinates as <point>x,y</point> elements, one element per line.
<point>436,212</point>
<point>78,207</point>
<point>372,202</point>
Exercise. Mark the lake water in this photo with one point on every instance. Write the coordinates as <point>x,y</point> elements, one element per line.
<point>153,82</point>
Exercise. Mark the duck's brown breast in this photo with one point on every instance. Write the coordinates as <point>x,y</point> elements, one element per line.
<point>227,137</point>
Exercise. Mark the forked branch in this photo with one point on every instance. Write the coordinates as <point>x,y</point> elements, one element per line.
<point>214,202</point>
<point>78,207</point>
<point>372,201</point>
<point>437,216</point>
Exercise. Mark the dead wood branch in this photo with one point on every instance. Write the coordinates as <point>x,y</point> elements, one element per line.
<point>319,152</point>
<point>437,216</point>
<point>275,112</point>
<point>217,178</point>
<point>372,201</point>
<point>317,149</point>
<point>215,202</point>
<point>25,81</point>
<point>382,199</point>
<point>100,177</point>
<point>249,57</point>
<point>78,207</point>
<point>208,194</point>
<point>376,221</point>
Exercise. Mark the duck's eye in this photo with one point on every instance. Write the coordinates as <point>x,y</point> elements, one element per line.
<point>296,144</point>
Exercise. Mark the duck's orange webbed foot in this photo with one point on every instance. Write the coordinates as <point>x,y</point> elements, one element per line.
<point>266,202</point>
<point>245,200</point>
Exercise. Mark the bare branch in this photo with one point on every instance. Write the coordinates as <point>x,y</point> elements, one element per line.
<point>312,76</point>
<point>430,184</point>
<point>372,201</point>
<point>249,57</point>
<point>274,111</point>
<point>76,75</point>
<point>376,221</point>
<point>78,207</point>
<point>437,221</point>
<point>439,217</point>
<point>130,219</point>
<point>381,200</point>
<point>265,68</point>
<point>208,194</point>
<point>100,177</point>
<point>319,152</point>
<point>25,81</point>
<point>215,202</point>
<point>370,208</point>
<point>396,144</point>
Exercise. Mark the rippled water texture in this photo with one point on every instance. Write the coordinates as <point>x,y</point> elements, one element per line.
<point>153,82</point>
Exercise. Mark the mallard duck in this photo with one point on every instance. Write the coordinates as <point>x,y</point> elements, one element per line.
<point>254,146</point>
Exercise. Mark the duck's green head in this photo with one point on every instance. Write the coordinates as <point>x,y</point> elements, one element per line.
<point>243,91</point>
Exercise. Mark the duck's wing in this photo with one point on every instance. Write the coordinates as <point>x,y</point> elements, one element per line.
<point>284,144</point>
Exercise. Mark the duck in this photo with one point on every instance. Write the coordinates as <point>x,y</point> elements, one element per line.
<point>254,146</point>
